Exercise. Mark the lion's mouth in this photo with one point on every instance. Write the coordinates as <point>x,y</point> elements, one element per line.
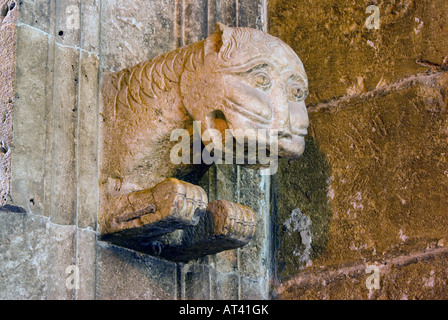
<point>235,107</point>
<point>300,132</point>
<point>260,121</point>
<point>268,143</point>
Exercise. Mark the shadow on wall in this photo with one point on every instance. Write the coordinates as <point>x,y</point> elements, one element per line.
<point>302,211</point>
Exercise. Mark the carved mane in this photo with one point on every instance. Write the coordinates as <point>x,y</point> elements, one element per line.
<point>153,77</point>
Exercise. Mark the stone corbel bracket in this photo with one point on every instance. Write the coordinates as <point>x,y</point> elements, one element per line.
<point>149,222</point>
<point>224,226</point>
<point>236,78</point>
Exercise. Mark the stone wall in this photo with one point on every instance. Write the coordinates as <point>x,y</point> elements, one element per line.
<point>49,222</point>
<point>371,188</point>
<point>8,16</point>
<point>50,219</point>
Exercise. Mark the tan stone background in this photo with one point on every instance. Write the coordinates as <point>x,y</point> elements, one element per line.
<point>374,177</point>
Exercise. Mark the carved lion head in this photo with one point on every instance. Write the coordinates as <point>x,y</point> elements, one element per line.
<point>249,80</point>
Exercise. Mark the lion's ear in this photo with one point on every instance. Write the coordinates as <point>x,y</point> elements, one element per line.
<point>218,39</point>
<point>224,30</point>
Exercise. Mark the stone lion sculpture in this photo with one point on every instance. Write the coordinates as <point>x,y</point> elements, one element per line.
<point>237,78</point>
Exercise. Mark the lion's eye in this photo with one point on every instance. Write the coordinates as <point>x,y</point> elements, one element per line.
<point>262,80</point>
<point>297,92</point>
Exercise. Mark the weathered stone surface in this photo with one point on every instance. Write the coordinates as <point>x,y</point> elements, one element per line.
<point>196,279</point>
<point>253,288</point>
<point>372,182</point>
<point>29,136</point>
<point>151,24</point>
<point>343,57</point>
<point>223,184</point>
<point>34,255</point>
<point>371,185</point>
<point>86,262</point>
<point>301,194</point>
<point>55,151</point>
<point>65,115</point>
<point>392,177</point>
<point>90,26</point>
<point>124,274</point>
<point>49,132</point>
<point>24,256</point>
<point>61,255</point>
<point>195,17</point>
<point>68,22</point>
<point>420,277</point>
<point>252,14</point>
<point>87,142</point>
<point>255,258</point>
<point>7,70</point>
<point>224,286</point>
<point>37,13</point>
<point>225,11</point>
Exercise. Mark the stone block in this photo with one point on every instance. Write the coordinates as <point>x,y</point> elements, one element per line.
<point>29,136</point>
<point>49,133</point>
<point>251,14</point>
<point>61,256</point>
<point>7,70</point>
<point>420,277</point>
<point>254,192</point>
<point>233,13</point>
<point>68,22</point>
<point>225,12</point>
<point>24,256</point>
<point>123,274</point>
<point>87,148</point>
<point>90,26</point>
<point>195,21</point>
<point>37,14</point>
<point>224,286</point>
<point>65,118</point>
<point>224,183</point>
<point>253,289</point>
<point>211,15</point>
<point>196,281</point>
<point>151,24</point>
<point>225,261</point>
<point>86,262</point>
